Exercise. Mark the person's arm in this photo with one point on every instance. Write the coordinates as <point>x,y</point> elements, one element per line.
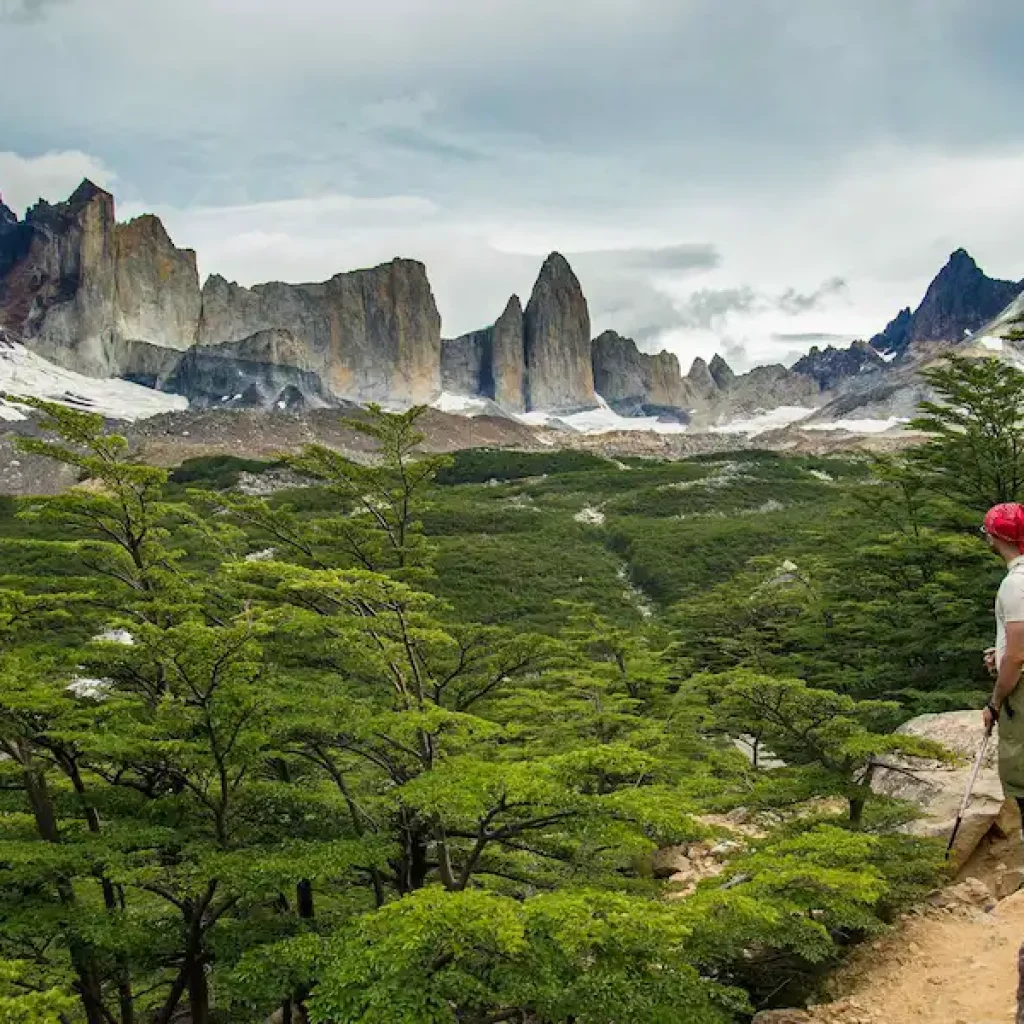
<point>1010,666</point>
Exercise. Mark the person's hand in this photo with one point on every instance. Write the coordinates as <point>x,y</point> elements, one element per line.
<point>989,719</point>
<point>990,661</point>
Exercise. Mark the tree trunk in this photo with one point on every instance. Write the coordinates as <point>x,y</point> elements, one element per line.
<point>198,992</point>
<point>304,899</point>
<point>88,984</point>
<point>856,811</point>
<point>126,1000</point>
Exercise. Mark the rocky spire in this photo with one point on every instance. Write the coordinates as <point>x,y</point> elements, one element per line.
<point>701,380</point>
<point>559,373</point>
<point>721,372</point>
<point>8,218</point>
<point>960,299</point>
<point>508,354</point>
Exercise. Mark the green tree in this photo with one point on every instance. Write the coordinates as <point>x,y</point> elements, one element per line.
<point>829,742</point>
<point>975,456</point>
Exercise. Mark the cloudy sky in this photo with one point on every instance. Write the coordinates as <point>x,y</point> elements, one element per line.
<point>741,177</point>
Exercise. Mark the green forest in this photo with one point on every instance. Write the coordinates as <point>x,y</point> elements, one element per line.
<point>400,746</point>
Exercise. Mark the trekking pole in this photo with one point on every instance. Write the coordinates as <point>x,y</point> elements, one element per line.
<point>970,788</point>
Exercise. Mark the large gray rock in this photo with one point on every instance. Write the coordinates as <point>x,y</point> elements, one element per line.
<point>78,288</point>
<point>266,371</point>
<point>508,357</point>
<point>467,364</point>
<point>370,335</point>
<point>157,286</point>
<point>559,373</point>
<point>634,383</point>
<point>717,394</point>
<point>937,789</point>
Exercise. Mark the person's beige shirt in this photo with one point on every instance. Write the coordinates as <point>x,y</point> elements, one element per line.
<point>1009,603</point>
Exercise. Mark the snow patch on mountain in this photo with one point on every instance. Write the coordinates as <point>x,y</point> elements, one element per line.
<point>864,426</point>
<point>460,405</point>
<point>772,419</point>
<point>602,420</point>
<point>25,374</point>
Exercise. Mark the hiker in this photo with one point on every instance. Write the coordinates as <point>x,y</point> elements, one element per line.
<point>1004,529</point>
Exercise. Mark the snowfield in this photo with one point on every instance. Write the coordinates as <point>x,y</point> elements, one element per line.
<point>602,420</point>
<point>859,426</point>
<point>461,405</point>
<point>24,373</point>
<point>773,419</point>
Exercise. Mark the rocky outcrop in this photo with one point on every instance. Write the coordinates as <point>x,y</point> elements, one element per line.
<point>937,789</point>
<point>896,336</point>
<point>634,383</point>
<point>721,372</point>
<point>8,228</point>
<point>263,371</point>
<point>537,359</point>
<point>556,330</point>
<point>489,363</point>
<point>959,300</point>
<point>467,364</point>
<point>719,394</point>
<point>701,381</point>
<point>370,335</point>
<point>156,286</point>
<point>508,358</point>
<point>831,366</point>
<point>80,288</point>
<point>109,299</point>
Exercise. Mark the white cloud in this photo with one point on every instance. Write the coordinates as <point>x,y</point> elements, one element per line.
<point>52,176</point>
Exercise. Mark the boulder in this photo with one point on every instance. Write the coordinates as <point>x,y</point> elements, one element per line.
<point>669,861</point>
<point>937,789</point>
<point>782,1017</point>
<point>556,330</point>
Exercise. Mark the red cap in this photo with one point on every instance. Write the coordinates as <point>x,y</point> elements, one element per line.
<point>1007,523</point>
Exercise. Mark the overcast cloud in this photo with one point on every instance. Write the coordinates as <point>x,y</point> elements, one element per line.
<point>723,177</point>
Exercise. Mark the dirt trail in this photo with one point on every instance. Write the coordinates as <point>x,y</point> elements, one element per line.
<point>951,965</point>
